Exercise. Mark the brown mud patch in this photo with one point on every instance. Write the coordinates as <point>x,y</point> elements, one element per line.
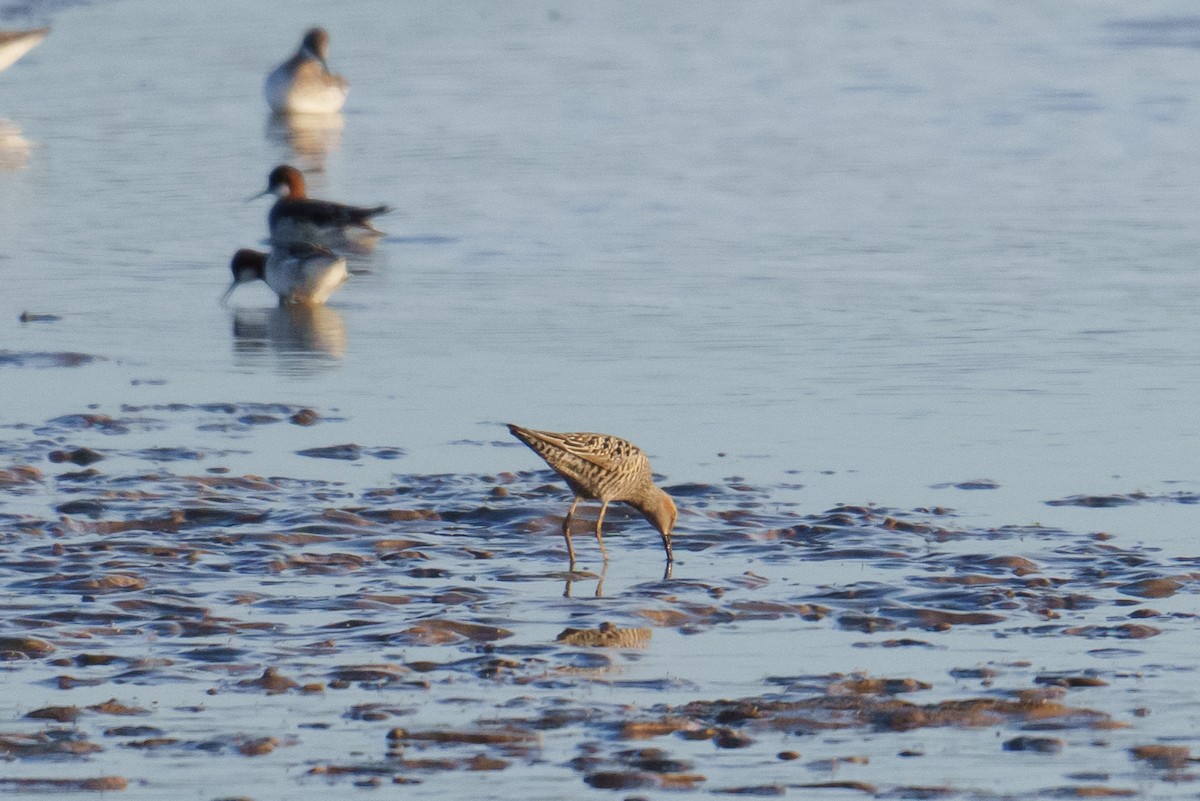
<point>40,360</point>
<point>1109,501</point>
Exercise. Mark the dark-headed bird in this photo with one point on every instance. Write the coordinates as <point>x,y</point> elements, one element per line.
<point>296,217</point>
<point>298,272</point>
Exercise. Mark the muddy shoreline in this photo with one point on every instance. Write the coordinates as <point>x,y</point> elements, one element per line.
<point>288,633</point>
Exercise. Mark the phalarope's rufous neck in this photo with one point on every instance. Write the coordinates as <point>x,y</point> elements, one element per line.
<point>303,83</point>
<point>298,272</point>
<point>14,44</point>
<point>604,468</point>
<point>295,217</point>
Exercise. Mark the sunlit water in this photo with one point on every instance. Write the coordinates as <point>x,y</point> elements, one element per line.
<point>852,252</point>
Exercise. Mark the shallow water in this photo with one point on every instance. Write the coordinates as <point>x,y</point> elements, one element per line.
<point>807,255</point>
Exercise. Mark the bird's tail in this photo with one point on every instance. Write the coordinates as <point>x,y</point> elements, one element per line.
<point>363,217</point>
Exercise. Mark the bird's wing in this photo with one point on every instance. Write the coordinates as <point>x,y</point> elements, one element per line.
<point>602,450</point>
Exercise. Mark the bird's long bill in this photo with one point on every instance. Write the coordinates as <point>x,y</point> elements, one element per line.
<point>260,194</point>
<point>229,292</point>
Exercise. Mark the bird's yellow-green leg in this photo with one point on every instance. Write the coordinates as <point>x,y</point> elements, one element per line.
<point>567,531</point>
<point>599,523</point>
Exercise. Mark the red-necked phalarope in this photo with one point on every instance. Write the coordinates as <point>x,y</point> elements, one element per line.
<point>303,83</point>
<point>295,217</point>
<point>14,44</point>
<point>298,272</point>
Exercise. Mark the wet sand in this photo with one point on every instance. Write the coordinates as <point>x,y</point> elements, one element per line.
<point>171,624</point>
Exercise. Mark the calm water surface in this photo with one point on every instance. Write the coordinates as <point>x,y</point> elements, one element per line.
<point>921,245</point>
<point>851,251</point>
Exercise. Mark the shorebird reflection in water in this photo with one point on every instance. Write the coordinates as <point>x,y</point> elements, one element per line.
<point>604,468</point>
<point>303,340</point>
<point>307,138</point>
<point>296,217</point>
<point>14,148</point>
<point>14,44</point>
<point>303,84</point>
<point>298,272</point>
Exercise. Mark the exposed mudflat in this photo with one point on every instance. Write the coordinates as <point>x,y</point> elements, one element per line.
<point>167,619</point>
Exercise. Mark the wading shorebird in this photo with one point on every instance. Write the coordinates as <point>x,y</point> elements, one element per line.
<point>303,83</point>
<point>14,44</point>
<point>604,468</point>
<point>298,272</point>
<point>296,217</point>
